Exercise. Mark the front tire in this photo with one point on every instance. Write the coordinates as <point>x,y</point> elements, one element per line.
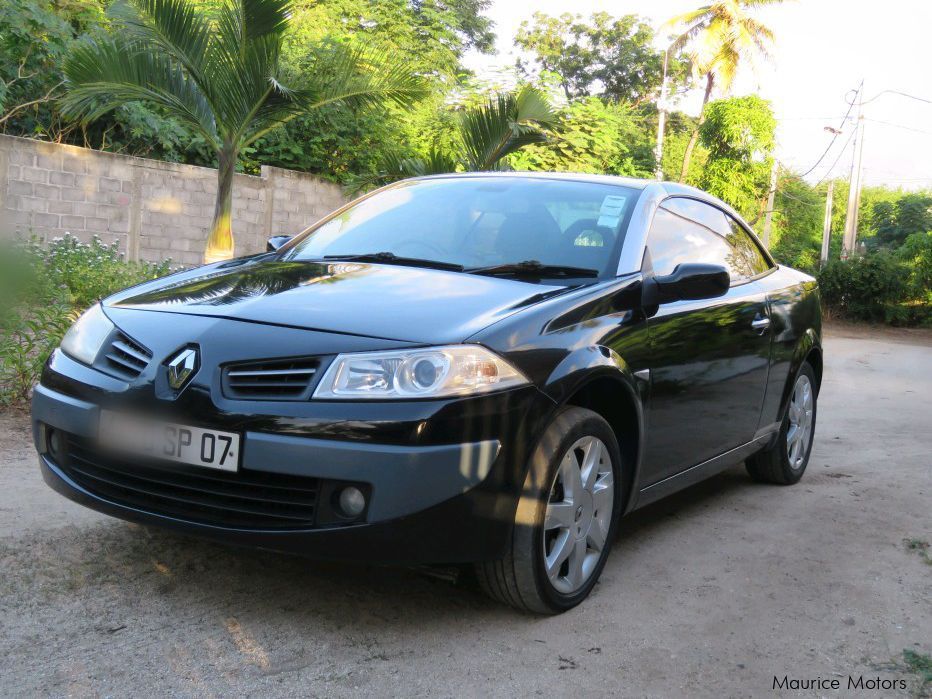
<point>785,462</point>
<point>566,518</point>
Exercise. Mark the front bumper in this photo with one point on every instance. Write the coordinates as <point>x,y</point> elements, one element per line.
<point>428,502</point>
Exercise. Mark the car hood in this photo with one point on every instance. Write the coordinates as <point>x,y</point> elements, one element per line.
<point>374,300</point>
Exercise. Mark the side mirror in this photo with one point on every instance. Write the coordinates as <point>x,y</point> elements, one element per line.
<point>687,282</point>
<point>277,241</point>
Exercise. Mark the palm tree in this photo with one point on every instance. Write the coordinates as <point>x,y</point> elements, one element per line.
<point>221,75</point>
<point>485,136</point>
<point>717,37</point>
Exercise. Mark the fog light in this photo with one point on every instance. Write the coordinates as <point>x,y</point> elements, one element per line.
<point>56,443</point>
<point>352,501</point>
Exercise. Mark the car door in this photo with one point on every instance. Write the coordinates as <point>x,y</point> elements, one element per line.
<point>709,358</point>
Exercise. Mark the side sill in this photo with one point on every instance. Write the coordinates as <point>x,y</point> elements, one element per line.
<point>700,472</point>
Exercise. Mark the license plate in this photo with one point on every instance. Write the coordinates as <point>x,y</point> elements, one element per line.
<point>195,446</point>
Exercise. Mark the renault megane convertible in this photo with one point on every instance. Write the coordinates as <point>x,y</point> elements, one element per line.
<point>485,369</point>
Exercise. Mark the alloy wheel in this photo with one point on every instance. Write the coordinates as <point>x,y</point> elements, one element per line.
<point>800,415</point>
<point>579,514</point>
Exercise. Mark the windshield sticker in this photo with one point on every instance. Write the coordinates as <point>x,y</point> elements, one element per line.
<point>610,213</point>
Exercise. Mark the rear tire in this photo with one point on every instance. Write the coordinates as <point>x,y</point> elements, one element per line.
<point>785,461</point>
<point>566,518</point>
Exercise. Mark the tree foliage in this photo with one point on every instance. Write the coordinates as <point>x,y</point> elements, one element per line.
<point>430,36</point>
<point>894,221</point>
<point>218,70</point>
<point>593,107</point>
<point>606,56</point>
<point>336,142</point>
<point>796,238</point>
<point>35,36</point>
<point>717,38</point>
<point>592,136</point>
<point>485,136</point>
<point>739,136</point>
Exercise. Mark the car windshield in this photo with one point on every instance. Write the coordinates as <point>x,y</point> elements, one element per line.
<point>482,222</point>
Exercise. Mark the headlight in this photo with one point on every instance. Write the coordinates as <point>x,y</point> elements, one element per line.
<point>434,372</point>
<point>85,338</point>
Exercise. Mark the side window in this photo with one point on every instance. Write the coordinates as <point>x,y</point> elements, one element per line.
<point>686,230</point>
<point>674,240</point>
<point>741,240</point>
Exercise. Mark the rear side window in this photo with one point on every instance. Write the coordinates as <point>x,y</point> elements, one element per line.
<point>744,242</point>
<point>687,230</point>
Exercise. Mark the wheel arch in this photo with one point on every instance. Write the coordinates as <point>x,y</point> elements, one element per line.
<point>814,358</point>
<point>598,379</point>
<point>808,349</point>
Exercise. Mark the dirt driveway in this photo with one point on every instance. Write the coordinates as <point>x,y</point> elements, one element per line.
<point>711,593</point>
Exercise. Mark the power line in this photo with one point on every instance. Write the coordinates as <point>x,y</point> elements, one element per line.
<point>837,132</point>
<point>897,92</point>
<point>786,194</point>
<point>828,171</point>
<point>899,126</point>
<point>808,118</point>
<point>840,153</point>
<point>894,172</point>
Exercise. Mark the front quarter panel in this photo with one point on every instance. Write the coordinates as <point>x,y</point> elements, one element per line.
<point>565,344</point>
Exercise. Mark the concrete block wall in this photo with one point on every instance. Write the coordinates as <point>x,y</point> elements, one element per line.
<point>155,210</point>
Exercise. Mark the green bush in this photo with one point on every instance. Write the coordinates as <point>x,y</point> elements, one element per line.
<point>878,287</point>
<point>863,287</point>
<point>44,290</point>
<point>916,254</point>
<point>92,271</point>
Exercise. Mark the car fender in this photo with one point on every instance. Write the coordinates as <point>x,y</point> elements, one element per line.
<point>808,341</point>
<point>586,365</point>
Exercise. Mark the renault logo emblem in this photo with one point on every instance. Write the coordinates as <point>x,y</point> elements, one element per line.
<point>182,368</point>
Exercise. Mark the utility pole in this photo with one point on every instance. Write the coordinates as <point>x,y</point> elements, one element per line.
<point>661,119</point>
<point>768,215</point>
<point>827,223</point>
<point>854,184</point>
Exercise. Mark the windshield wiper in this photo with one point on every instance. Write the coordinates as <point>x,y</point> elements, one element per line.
<point>533,268</point>
<point>393,259</point>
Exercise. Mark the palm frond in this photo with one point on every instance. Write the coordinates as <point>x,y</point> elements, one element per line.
<point>760,35</point>
<point>698,15</point>
<point>103,75</point>
<point>264,17</point>
<point>361,76</point>
<point>719,35</point>
<point>223,74</point>
<point>177,27</point>
<point>504,125</point>
<point>533,106</point>
<point>396,166</point>
<point>358,78</point>
<point>687,37</point>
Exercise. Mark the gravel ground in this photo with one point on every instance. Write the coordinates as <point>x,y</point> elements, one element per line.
<point>710,593</point>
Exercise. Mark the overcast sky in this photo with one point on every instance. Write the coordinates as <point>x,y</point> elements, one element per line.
<point>824,48</point>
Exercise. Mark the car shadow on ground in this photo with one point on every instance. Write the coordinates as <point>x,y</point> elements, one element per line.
<point>122,565</point>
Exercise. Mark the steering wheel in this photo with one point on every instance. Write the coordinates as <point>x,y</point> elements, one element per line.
<point>586,224</point>
<point>430,247</point>
<point>583,224</point>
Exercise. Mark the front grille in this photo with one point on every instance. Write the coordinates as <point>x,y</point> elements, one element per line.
<point>126,358</point>
<point>290,379</point>
<point>244,500</point>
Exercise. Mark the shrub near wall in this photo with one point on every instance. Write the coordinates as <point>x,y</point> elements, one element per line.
<point>47,288</point>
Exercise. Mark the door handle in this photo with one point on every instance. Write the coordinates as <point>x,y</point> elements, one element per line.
<point>760,324</point>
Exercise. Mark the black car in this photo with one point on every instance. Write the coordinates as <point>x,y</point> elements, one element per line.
<point>483,368</point>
